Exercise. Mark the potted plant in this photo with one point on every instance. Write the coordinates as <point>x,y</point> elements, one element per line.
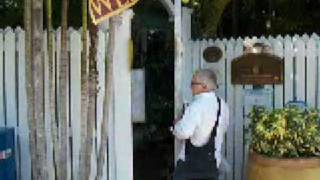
<point>285,144</point>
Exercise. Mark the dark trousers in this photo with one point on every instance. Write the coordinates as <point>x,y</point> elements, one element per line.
<point>184,171</point>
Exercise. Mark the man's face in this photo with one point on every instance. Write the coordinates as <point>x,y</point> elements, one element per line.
<point>197,86</point>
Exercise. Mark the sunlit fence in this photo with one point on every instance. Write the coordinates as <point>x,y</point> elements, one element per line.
<point>301,82</point>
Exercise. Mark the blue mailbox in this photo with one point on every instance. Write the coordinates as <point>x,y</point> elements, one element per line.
<point>7,157</point>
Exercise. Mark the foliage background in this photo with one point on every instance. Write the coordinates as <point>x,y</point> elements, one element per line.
<point>212,18</point>
<point>226,18</point>
<point>11,13</point>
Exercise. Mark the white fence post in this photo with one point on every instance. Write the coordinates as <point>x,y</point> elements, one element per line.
<point>122,99</point>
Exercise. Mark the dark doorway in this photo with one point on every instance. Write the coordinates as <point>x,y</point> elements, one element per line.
<point>154,51</point>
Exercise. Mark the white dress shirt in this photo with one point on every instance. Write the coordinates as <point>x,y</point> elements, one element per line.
<point>198,121</point>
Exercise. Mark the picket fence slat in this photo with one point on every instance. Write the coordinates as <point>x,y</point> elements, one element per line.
<point>311,73</point>
<point>54,69</point>
<point>300,80</point>
<point>101,89</point>
<point>69,129</point>
<point>2,105</point>
<point>47,115</point>
<point>75,99</point>
<point>219,68</point>
<point>244,122</point>
<point>238,161</point>
<point>221,64</point>
<point>22,110</point>
<point>267,42</point>
<point>111,141</point>
<point>11,86</point>
<point>10,78</point>
<point>58,54</point>
<point>288,71</point>
<point>103,40</point>
<point>108,115</point>
<point>230,100</point>
<point>246,143</point>
<point>277,45</point>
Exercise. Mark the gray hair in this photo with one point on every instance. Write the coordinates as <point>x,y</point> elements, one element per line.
<point>208,77</point>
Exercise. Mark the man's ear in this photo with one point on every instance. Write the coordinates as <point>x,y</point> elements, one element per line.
<point>204,86</point>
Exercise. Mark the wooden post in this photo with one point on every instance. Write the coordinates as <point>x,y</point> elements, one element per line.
<point>29,82</point>
<point>38,80</point>
<point>104,101</point>
<point>63,93</point>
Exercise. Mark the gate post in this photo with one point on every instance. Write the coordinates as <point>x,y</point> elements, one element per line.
<point>120,126</point>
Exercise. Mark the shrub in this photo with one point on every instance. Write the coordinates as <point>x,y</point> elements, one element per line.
<point>285,133</point>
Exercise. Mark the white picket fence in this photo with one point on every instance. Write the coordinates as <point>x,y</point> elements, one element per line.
<point>13,102</point>
<point>302,52</point>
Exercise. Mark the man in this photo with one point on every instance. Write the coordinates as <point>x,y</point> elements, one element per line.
<point>202,126</point>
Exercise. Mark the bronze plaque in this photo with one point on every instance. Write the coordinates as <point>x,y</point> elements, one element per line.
<point>257,69</point>
<point>212,54</point>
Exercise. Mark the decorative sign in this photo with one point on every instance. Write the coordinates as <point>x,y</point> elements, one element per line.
<point>257,69</point>
<point>100,10</point>
<point>212,54</point>
<point>260,97</point>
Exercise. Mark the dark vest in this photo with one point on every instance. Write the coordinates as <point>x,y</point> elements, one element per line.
<point>200,161</point>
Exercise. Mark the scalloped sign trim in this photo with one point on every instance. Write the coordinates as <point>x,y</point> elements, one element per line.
<point>101,10</point>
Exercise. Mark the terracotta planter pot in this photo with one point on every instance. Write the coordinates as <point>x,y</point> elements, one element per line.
<point>265,168</point>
